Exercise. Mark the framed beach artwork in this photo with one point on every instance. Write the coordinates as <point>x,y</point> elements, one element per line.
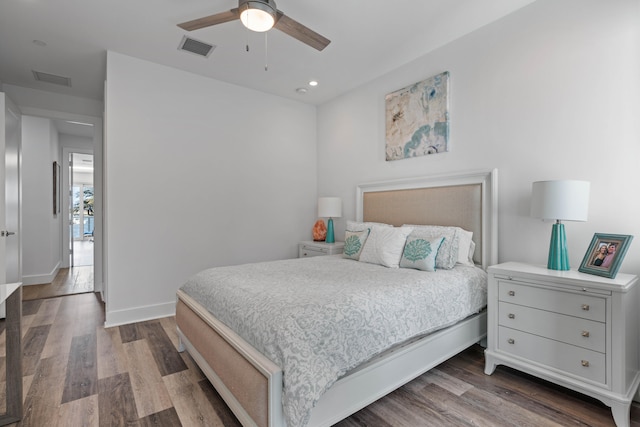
<point>605,254</point>
<point>417,119</point>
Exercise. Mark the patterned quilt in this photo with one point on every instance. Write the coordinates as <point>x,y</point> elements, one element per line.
<point>318,318</point>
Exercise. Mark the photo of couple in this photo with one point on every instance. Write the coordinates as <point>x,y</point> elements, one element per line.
<point>605,254</point>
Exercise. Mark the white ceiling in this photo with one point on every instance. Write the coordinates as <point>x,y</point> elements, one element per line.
<point>368,39</point>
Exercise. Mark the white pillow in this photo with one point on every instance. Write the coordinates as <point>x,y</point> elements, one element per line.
<point>384,245</point>
<point>353,243</point>
<point>448,252</point>
<point>465,255</point>
<point>420,253</point>
<point>359,226</point>
<point>472,251</point>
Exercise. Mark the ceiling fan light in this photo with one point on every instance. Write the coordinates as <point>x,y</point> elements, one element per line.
<point>259,16</point>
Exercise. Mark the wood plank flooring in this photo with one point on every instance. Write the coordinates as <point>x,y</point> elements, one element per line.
<point>68,281</point>
<point>77,373</point>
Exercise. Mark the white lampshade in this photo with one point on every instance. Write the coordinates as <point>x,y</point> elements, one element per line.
<point>564,200</point>
<point>258,16</point>
<point>329,207</point>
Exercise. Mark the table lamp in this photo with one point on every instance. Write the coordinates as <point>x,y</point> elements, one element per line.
<point>330,207</point>
<point>563,200</point>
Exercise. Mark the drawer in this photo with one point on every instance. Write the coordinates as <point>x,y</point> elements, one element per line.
<point>569,303</point>
<point>305,251</point>
<point>571,330</point>
<point>584,363</point>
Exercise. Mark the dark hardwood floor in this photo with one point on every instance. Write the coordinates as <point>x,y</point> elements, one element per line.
<point>77,373</point>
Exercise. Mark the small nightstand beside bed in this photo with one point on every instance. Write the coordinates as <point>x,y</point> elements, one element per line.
<point>574,329</point>
<point>319,342</point>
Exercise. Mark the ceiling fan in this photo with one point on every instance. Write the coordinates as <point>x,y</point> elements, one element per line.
<point>260,16</point>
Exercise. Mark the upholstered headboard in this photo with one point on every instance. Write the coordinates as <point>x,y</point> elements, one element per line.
<point>468,200</point>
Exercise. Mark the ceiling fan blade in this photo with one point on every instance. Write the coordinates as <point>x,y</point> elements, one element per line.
<point>300,32</point>
<point>207,21</point>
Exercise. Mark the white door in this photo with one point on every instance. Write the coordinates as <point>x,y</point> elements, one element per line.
<point>10,151</point>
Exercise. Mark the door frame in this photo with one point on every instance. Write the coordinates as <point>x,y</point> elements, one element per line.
<point>66,202</point>
<point>96,151</point>
<point>99,261</point>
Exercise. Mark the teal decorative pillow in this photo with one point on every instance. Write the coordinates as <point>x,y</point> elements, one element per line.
<point>448,252</point>
<point>420,253</point>
<point>353,243</point>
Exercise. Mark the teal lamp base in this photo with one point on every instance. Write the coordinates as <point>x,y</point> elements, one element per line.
<point>558,254</point>
<point>330,237</point>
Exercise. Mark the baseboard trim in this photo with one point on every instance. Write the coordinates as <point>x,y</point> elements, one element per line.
<point>40,279</point>
<point>139,314</point>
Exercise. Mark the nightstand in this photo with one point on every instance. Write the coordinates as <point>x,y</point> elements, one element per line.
<point>311,248</point>
<point>573,329</point>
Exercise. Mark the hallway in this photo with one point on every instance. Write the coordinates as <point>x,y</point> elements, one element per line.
<point>75,280</point>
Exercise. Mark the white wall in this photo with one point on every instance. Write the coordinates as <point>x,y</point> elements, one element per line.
<point>549,92</point>
<point>200,173</point>
<point>78,144</point>
<point>41,244</point>
<point>34,99</point>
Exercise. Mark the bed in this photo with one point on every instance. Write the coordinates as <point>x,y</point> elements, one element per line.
<point>252,384</point>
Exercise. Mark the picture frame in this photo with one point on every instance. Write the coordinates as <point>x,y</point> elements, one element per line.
<point>56,188</point>
<point>600,260</point>
<point>417,119</point>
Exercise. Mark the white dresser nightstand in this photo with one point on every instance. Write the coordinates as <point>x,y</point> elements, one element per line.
<point>573,329</point>
<point>312,248</point>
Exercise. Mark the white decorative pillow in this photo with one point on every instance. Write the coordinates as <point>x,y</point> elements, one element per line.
<point>420,253</point>
<point>472,251</point>
<point>465,256</point>
<point>448,252</point>
<point>359,226</point>
<point>354,242</point>
<point>384,245</point>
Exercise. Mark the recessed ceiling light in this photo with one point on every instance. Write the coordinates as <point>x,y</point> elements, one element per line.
<point>39,43</point>
<point>313,83</point>
<point>301,90</point>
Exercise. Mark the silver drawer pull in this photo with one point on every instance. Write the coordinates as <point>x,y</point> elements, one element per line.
<point>585,334</point>
<point>511,341</point>
<point>512,293</point>
<point>585,363</point>
<point>512,316</point>
<point>585,307</point>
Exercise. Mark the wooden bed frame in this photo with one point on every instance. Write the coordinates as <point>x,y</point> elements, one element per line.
<point>252,385</point>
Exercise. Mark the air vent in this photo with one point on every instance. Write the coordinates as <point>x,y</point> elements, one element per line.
<point>51,78</point>
<point>195,46</point>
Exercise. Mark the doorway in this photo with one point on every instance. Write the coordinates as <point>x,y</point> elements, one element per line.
<point>81,210</point>
<point>77,134</point>
<point>78,207</point>
<point>81,223</point>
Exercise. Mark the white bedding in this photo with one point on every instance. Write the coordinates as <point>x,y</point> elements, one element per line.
<point>317,318</point>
